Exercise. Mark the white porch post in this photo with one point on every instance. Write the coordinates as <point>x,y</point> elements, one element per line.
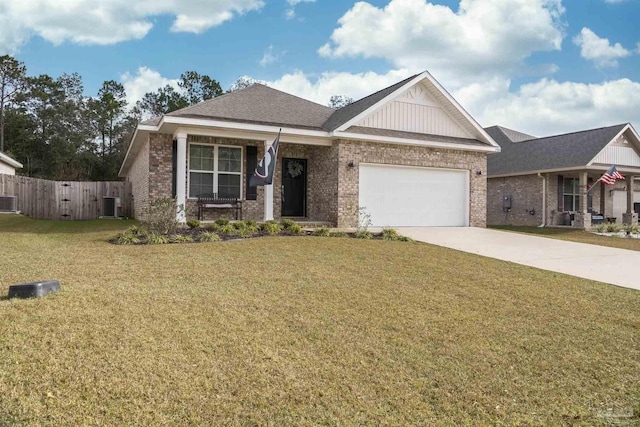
<point>268,194</point>
<point>181,177</point>
<point>583,217</point>
<point>630,217</point>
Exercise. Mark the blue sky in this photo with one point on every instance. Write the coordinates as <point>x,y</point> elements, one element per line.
<point>540,66</point>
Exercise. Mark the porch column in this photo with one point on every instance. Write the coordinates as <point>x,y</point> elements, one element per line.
<point>181,177</point>
<point>268,194</point>
<point>583,217</point>
<point>629,217</point>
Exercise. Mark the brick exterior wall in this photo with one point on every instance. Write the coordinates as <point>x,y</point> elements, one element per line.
<point>332,186</point>
<point>372,152</point>
<point>138,175</point>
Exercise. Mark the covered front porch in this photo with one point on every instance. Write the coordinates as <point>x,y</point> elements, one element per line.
<point>220,162</point>
<point>579,199</point>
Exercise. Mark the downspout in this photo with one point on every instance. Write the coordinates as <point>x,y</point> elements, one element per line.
<point>544,201</point>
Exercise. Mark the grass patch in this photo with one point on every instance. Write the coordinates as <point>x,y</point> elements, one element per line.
<point>309,332</point>
<point>574,235</point>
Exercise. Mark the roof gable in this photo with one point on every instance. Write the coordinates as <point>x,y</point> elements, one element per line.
<point>569,150</point>
<point>260,104</point>
<point>417,104</point>
<point>623,150</point>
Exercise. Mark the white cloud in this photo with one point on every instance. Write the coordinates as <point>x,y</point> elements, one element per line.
<point>145,80</point>
<point>599,50</point>
<point>482,37</point>
<point>108,22</point>
<point>270,57</point>
<point>614,1</point>
<point>321,88</point>
<point>290,13</point>
<point>549,107</point>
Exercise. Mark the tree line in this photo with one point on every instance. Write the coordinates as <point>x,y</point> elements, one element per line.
<point>57,132</point>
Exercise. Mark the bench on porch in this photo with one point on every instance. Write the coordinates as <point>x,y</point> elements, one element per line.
<point>219,201</point>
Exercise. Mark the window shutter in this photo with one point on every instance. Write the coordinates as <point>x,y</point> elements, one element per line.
<point>589,195</point>
<point>174,167</point>
<point>252,163</point>
<point>560,193</point>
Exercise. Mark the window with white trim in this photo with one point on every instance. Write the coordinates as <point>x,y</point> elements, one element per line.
<point>571,195</point>
<point>215,169</point>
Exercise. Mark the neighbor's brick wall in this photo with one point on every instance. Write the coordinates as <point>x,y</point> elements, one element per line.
<point>138,175</point>
<point>526,196</point>
<point>371,152</point>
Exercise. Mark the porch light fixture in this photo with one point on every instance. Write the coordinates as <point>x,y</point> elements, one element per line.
<point>351,164</point>
<point>478,172</point>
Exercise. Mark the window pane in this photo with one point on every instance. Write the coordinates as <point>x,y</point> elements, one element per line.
<point>200,183</point>
<point>568,185</point>
<point>229,185</point>
<point>568,203</point>
<point>229,159</point>
<point>577,203</point>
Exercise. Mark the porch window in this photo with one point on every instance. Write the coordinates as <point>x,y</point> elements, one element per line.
<point>571,195</point>
<point>215,169</point>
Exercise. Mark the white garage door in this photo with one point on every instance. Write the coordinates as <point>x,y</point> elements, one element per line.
<point>414,196</point>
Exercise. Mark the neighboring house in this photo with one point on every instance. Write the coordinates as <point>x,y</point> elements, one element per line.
<point>409,154</point>
<point>550,181</point>
<point>8,166</point>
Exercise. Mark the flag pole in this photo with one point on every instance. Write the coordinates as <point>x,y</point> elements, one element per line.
<point>594,184</point>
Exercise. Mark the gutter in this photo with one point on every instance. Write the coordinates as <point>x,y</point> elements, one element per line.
<point>544,201</point>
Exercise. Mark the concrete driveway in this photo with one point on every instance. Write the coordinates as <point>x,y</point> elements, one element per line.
<point>619,267</point>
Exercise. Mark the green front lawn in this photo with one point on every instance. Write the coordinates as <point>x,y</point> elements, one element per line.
<point>574,235</point>
<point>303,331</point>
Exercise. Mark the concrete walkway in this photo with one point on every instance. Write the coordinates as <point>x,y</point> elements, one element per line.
<point>619,267</point>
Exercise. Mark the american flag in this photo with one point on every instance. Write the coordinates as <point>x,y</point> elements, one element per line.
<point>610,176</point>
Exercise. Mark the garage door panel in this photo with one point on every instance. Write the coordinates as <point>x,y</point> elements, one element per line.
<point>414,196</point>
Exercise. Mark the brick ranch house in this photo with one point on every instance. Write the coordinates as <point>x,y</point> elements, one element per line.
<point>409,154</point>
<point>550,181</point>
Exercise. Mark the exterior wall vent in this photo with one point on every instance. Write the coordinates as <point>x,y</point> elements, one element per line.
<point>8,204</point>
<point>111,207</point>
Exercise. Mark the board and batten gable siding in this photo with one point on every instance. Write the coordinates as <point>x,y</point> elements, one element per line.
<point>620,152</point>
<point>416,110</point>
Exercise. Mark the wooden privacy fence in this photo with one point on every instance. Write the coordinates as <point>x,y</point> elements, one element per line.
<point>67,200</point>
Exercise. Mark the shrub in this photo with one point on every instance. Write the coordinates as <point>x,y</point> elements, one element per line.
<point>229,230</point>
<point>338,234</point>
<point>239,225</point>
<point>251,224</point>
<point>138,230</point>
<point>212,227</point>
<point>270,227</point>
<point>390,234</point>
<point>322,232</point>
<point>405,239</point>
<point>222,221</point>
<point>157,239</point>
<point>207,236</point>
<point>294,229</point>
<point>632,228</point>
<point>601,228</point>
<point>125,238</point>
<point>364,218</point>
<point>180,238</point>
<point>287,223</point>
<point>363,234</point>
<point>193,223</point>
<point>613,227</point>
<point>161,216</point>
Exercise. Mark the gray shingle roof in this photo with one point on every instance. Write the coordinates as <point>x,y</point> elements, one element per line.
<point>514,135</point>
<point>348,112</point>
<point>260,104</point>
<point>552,152</point>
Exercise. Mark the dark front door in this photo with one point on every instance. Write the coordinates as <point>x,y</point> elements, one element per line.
<point>294,187</point>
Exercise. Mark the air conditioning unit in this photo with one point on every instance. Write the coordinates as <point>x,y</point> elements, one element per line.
<point>111,207</point>
<point>8,204</point>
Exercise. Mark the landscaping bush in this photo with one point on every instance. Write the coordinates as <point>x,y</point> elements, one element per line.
<point>193,223</point>
<point>389,233</point>
<point>363,234</point>
<point>239,225</point>
<point>138,230</point>
<point>601,228</point>
<point>338,234</point>
<point>207,236</point>
<point>229,230</point>
<point>125,238</point>
<point>613,228</point>
<point>294,229</point>
<point>222,221</point>
<point>251,223</point>
<point>632,228</point>
<point>180,238</point>
<point>161,216</point>
<point>271,227</point>
<point>321,232</point>
<point>212,227</point>
<point>157,239</point>
<point>287,223</point>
